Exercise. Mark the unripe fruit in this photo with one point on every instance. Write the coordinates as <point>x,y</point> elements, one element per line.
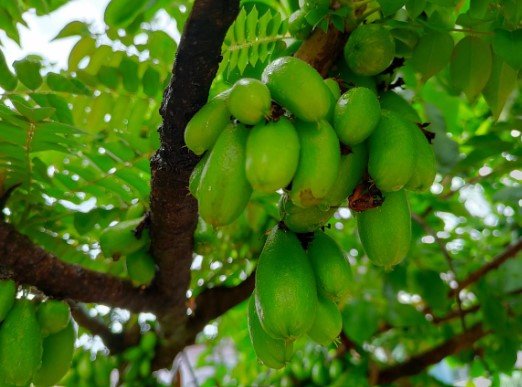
<point>195,176</point>
<point>385,231</point>
<point>318,163</point>
<point>274,353</point>
<point>302,220</point>
<point>392,101</point>
<point>369,50</point>
<point>357,113</point>
<point>53,316</point>
<point>351,170</point>
<point>332,271</point>
<point>426,164</point>
<point>119,240</point>
<point>207,124</point>
<point>335,94</point>
<point>328,322</point>
<point>249,101</point>
<point>272,155</point>
<point>298,87</point>
<point>7,297</point>
<point>298,27</point>
<point>58,349</point>
<point>286,293</point>
<point>224,190</point>
<point>20,344</point>
<point>140,267</point>
<point>392,153</point>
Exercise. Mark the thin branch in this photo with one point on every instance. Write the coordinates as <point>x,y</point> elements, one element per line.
<point>442,246</point>
<point>29,264</point>
<point>420,362</point>
<point>510,252</point>
<point>115,342</point>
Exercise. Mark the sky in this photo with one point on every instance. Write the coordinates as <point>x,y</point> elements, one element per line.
<point>37,39</point>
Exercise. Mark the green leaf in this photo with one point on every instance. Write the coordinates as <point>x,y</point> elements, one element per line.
<point>8,81</point>
<point>470,66</point>
<point>58,82</point>
<point>63,112</point>
<point>129,71</point>
<point>500,85</point>
<point>431,288</point>
<point>151,82</point>
<point>9,26</point>
<point>121,13</point>
<point>84,47</point>
<point>389,7</point>
<point>33,114</point>
<point>415,7</point>
<point>109,76</point>
<point>99,109</point>
<point>102,55</point>
<point>360,320</point>
<point>74,28</point>
<point>161,46</point>
<point>431,54</point>
<point>508,45</point>
<point>28,72</point>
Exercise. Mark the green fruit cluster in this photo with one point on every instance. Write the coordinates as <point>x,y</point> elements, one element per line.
<point>321,147</point>
<point>297,293</point>
<point>36,341</point>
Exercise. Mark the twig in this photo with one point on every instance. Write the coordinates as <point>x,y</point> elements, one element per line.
<point>507,254</point>
<point>419,362</point>
<point>115,342</point>
<point>422,222</point>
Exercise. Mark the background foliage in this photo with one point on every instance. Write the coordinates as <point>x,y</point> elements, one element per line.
<point>78,141</point>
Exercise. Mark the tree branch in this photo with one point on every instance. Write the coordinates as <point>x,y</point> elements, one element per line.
<point>510,252</point>
<point>418,363</point>
<point>115,342</point>
<point>32,265</point>
<point>174,210</point>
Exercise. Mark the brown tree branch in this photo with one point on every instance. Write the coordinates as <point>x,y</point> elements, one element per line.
<point>174,210</point>
<point>115,342</point>
<point>419,362</point>
<point>29,264</point>
<point>508,253</point>
<point>209,305</point>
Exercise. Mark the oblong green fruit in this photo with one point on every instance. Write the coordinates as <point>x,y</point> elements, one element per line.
<point>392,101</point>
<point>272,155</point>
<point>286,293</point>
<point>195,176</point>
<point>426,164</point>
<point>328,322</point>
<point>302,220</point>
<point>391,153</point>
<point>335,94</point>
<point>274,353</point>
<point>224,189</point>
<point>357,113</point>
<point>120,239</point>
<point>298,27</point>
<point>20,344</point>
<point>298,87</point>
<point>369,50</point>
<point>331,268</point>
<point>206,125</point>
<point>140,267</point>
<point>385,231</point>
<point>249,100</point>
<point>58,349</point>
<point>53,316</point>
<point>7,297</point>
<point>351,170</point>
<point>318,163</point>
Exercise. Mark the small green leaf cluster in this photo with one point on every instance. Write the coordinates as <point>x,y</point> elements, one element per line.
<point>36,340</point>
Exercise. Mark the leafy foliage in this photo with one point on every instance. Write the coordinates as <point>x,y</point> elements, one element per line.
<point>76,143</point>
